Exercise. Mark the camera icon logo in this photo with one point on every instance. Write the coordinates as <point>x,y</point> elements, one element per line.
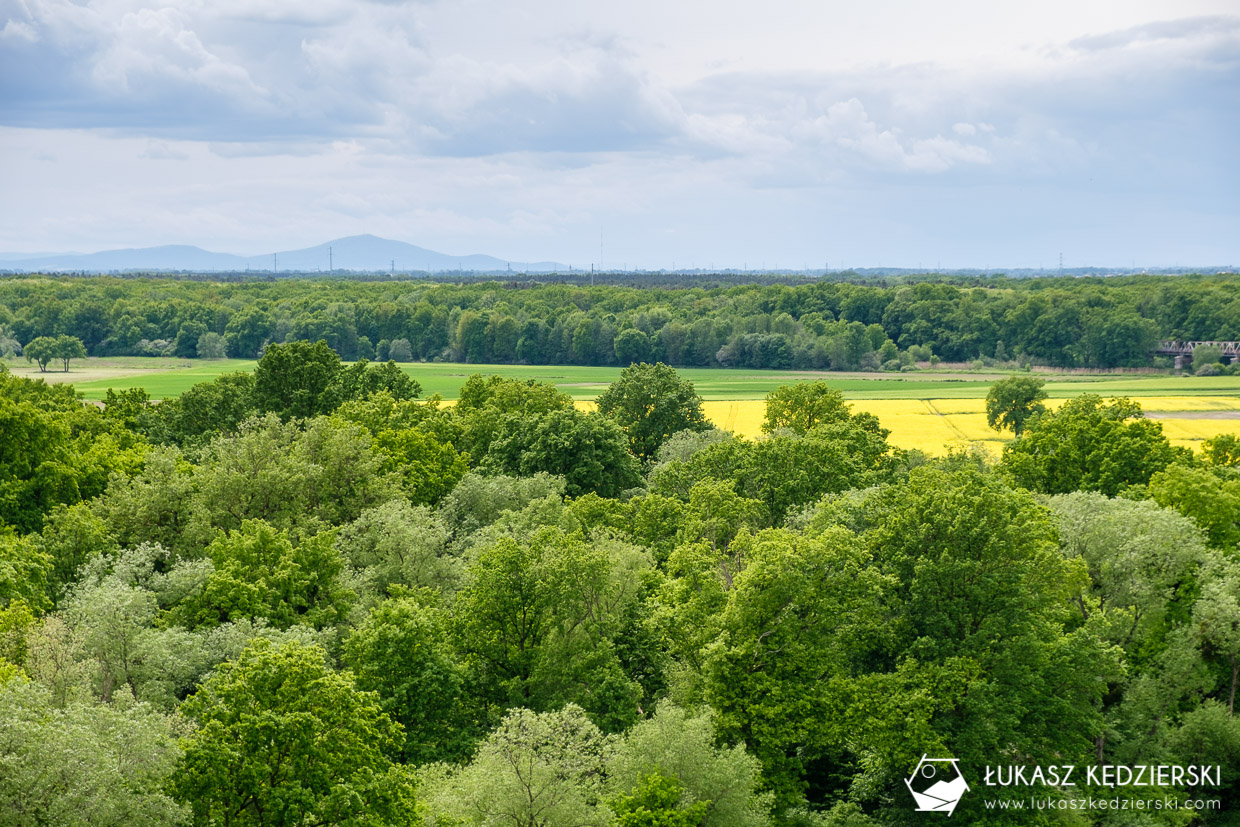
<point>937,785</point>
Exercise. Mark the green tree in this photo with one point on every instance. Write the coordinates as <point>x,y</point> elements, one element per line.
<point>1011,403</point>
<point>1222,450</point>
<point>657,801</point>
<point>402,545</point>
<point>1090,444</point>
<point>260,573</point>
<point>84,763</point>
<point>537,623</point>
<point>67,348</point>
<point>534,770</point>
<point>400,351</point>
<point>1197,493</point>
<point>632,347</point>
<point>652,402</point>
<point>399,652</point>
<point>41,350</point>
<point>211,345</point>
<point>297,379</point>
<point>586,449</point>
<point>282,739</point>
<point>802,406</point>
<point>681,748</point>
<point>1206,355</point>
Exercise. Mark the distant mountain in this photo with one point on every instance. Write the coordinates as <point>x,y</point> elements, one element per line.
<point>358,253</point>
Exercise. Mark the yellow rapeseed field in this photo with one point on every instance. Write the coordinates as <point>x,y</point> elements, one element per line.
<point>938,425</point>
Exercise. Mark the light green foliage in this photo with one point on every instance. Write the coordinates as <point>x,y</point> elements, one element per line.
<point>1206,498</point>
<point>83,764</point>
<point>112,633</point>
<point>787,471</point>
<point>478,501</point>
<point>211,345</point>
<point>400,651</point>
<point>274,471</point>
<point>1206,355</point>
<point>537,622</point>
<point>682,445</point>
<point>16,622</point>
<point>534,770</point>
<point>650,403</point>
<point>1090,444</point>
<point>428,469</point>
<point>24,571</point>
<point>716,514</point>
<point>802,406</point>
<point>658,801</point>
<point>1013,402</point>
<point>416,440</point>
<point>155,505</point>
<point>1222,451</point>
<point>282,739</point>
<point>1142,560</point>
<point>400,544</point>
<point>675,745</point>
<point>260,573</point>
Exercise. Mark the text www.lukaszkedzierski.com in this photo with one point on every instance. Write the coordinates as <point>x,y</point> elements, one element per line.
<point>1090,803</point>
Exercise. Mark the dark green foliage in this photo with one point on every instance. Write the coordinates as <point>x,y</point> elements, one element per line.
<point>588,451</point>
<point>259,573</point>
<point>650,402</point>
<point>1068,322</point>
<point>297,379</point>
<point>205,411</point>
<point>400,652</point>
<point>1090,444</point>
<point>1011,403</point>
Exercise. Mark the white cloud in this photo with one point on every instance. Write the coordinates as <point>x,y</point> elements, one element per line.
<point>524,124</point>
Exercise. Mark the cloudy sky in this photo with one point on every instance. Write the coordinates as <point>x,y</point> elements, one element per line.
<point>782,133</point>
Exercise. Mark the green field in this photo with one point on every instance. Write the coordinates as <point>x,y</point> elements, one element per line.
<point>163,378</point>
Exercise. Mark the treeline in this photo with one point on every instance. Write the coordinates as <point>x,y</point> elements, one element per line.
<point>1086,322</point>
<point>304,596</point>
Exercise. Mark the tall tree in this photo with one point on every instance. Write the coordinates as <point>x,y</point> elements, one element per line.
<point>652,402</point>
<point>1011,403</point>
<point>282,739</point>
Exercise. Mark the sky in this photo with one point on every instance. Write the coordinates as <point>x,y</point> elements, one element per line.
<point>777,134</point>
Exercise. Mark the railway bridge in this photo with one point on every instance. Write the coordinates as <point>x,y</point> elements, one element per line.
<point>1183,351</point>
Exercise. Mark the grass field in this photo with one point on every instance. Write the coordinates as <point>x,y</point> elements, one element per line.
<point>932,411</point>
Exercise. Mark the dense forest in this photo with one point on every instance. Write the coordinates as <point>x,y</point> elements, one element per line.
<point>305,596</point>
<point>838,325</point>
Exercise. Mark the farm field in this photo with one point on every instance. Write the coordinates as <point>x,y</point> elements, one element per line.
<point>930,410</point>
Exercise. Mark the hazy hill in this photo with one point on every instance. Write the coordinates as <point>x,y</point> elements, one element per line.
<point>359,252</point>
